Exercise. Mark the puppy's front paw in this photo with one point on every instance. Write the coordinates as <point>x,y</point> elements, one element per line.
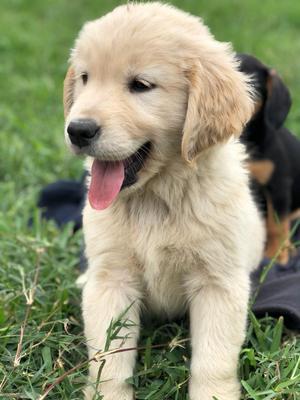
<point>222,390</point>
<point>109,391</point>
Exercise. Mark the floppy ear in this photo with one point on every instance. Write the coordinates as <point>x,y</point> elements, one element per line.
<point>278,101</point>
<point>68,90</point>
<point>219,103</point>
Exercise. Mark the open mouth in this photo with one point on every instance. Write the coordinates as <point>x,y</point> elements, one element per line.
<point>108,178</point>
<point>134,163</point>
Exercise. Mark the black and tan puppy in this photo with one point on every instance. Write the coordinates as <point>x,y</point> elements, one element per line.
<point>274,154</point>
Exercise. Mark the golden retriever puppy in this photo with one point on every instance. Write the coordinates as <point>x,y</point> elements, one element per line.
<point>156,103</point>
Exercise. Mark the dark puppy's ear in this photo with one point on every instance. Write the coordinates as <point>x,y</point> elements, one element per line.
<point>278,101</point>
<point>68,90</point>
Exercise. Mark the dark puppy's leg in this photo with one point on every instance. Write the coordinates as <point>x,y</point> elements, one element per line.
<point>277,235</point>
<point>277,192</point>
<point>278,222</point>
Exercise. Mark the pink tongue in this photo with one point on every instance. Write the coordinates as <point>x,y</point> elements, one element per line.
<point>106,182</point>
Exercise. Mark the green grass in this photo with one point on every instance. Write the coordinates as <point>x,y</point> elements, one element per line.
<point>39,302</point>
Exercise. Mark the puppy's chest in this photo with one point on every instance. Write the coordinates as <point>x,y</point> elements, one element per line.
<point>166,261</point>
<point>167,249</point>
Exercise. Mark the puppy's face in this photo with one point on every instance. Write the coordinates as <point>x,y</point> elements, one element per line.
<point>128,102</point>
<point>142,87</point>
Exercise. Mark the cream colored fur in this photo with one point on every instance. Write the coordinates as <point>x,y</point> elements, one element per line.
<point>187,235</point>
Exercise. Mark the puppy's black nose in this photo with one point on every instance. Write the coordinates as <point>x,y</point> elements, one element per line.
<point>83,131</point>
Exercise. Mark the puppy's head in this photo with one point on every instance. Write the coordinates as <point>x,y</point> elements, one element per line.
<point>146,83</point>
<point>274,100</point>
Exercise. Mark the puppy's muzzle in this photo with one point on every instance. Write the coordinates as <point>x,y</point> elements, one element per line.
<point>82,132</point>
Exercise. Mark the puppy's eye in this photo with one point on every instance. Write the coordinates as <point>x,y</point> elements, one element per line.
<point>140,85</point>
<point>84,77</point>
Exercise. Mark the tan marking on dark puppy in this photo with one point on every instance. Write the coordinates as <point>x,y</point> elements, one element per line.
<point>261,170</point>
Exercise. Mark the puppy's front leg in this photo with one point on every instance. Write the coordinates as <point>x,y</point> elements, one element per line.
<point>106,296</point>
<point>218,318</point>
